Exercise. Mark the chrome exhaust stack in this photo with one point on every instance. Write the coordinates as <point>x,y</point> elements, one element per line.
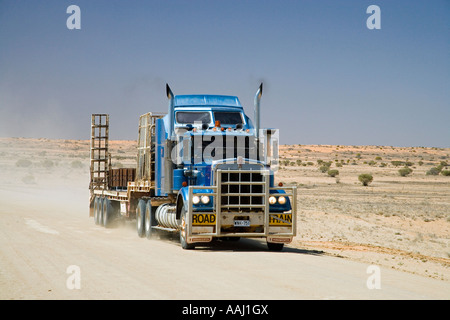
<point>257,110</point>
<point>168,165</point>
<point>170,96</point>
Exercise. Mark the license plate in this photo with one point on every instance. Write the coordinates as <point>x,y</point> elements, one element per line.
<point>242,223</point>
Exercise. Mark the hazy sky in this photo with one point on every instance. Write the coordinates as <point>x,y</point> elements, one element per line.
<point>328,79</point>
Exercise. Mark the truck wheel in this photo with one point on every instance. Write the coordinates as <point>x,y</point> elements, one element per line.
<point>96,209</point>
<point>102,212</point>
<point>109,212</point>
<point>149,220</point>
<point>275,246</point>
<point>183,241</point>
<point>140,218</point>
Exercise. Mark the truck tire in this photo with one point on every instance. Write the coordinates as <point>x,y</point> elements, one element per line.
<point>102,213</point>
<point>275,246</point>
<point>96,209</point>
<point>109,212</point>
<point>149,220</point>
<point>183,241</point>
<point>140,218</point>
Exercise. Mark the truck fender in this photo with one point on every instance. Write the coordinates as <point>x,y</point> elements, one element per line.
<point>182,200</point>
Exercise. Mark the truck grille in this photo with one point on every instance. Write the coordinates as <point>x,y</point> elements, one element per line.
<point>242,190</point>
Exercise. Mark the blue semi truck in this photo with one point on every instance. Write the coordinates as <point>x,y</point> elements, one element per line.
<point>204,170</point>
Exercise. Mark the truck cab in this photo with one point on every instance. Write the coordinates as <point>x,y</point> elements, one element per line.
<point>221,170</point>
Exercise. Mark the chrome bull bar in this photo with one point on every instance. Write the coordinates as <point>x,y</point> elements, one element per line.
<point>258,211</point>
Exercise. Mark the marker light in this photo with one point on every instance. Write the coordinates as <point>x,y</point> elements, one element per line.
<point>272,200</point>
<point>205,199</point>
<point>217,123</point>
<point>195,199</point>
<point>281,200</point>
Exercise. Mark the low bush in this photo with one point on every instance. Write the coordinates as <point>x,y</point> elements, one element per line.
<point>323,169</point>
<point>397,163</point>
<point>28,179</point>
<point>47,163</point>
<point>445,173</point>
<point>405,171</point>
<point>333,172</point>
<point>365,179</point>
<point>433,172</point>
<point>76,164</point>
<point>23,163</point>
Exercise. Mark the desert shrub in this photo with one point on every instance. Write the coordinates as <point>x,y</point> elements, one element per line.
<point>378,158</point>
<point>28,179</point>
<point>47,163</point>
<point>372,163</point>
<point>299,162</point>
<point>397,163</point>
<point>433,172</point>
<point>445,173</point>
<point>405,171</point>
<point>333,172</point>
<point>76,164</point>
<point>323,169</point>
<point>23,163</point>
<point>365,179</point>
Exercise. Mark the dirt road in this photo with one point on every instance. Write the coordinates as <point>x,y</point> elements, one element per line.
<point>47,245</point>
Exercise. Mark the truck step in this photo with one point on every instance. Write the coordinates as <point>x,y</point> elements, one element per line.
<point>165,229</point>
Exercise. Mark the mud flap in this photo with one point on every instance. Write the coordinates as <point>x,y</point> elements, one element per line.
<point>196,239</point>
<point>279,239</point>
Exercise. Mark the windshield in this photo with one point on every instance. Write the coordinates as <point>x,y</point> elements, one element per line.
<point>228,117</point>
<point>191,117</point>
<point>218,147</point>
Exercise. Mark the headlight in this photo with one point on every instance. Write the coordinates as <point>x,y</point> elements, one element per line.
<point>281,200</point>
<point>205,199</point>
<point>195,199</point>
<point>272,200</point>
